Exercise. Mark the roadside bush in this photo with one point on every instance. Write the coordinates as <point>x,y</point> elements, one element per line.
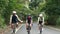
<point>2,23</point>
<point>52,20</point>
<point>58,21</point>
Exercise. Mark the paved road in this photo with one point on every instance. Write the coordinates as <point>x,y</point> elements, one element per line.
<point>34,30</point>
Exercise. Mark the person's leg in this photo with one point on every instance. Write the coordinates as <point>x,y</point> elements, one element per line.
<point>26,26</point>
<point>39,26</point>
<point>30,26</point>
<point>17,25</point>
<point>41,29</point>
<point>12,25</point>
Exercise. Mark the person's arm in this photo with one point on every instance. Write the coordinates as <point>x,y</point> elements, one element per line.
<point>43,21</point>
<point>26,19</point>
<point>10,19</point>
<point>18,18</point>
<point>38,20</point>
<point>31,20</point>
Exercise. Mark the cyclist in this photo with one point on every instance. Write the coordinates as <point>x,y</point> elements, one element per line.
<point>28,22</point>
<point>40,21</point>
<point>14,19</point>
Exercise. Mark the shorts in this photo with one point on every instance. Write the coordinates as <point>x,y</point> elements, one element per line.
<point>29,22</point>
<point>29,28</point>
<point>12,25</point>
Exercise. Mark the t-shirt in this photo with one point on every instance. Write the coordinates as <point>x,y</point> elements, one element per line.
<point>14,19</point>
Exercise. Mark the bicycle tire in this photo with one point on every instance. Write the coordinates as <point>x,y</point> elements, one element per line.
<point>40,29</point>
<point>28,32</point>
<point>29,28</point>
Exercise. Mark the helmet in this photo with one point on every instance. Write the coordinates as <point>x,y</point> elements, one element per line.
<point>40,14</point>
<point>14,11</point>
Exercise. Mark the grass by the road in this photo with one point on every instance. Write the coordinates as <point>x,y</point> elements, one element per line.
<point>4,30</point>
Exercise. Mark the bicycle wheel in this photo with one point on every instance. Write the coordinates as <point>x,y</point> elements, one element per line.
<point>28,32</point>
<point>29,28</point>
<point>41,30</point>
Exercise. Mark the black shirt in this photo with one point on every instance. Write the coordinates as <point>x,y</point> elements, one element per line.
<point>14,19</point>
<point>29,19</point>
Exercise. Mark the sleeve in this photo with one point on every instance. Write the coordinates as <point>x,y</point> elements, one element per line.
<point>26,19</point>
<point>38,19</point>
<point>43,20</point>
<point>18,17</point>
<point>31,20</point>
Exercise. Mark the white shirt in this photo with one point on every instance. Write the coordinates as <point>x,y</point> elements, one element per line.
<point>41,20</point>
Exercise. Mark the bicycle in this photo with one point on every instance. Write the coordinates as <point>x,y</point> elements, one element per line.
<point>29,28</point>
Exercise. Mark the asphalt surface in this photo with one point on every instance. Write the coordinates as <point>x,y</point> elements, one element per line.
<point>35,30</point>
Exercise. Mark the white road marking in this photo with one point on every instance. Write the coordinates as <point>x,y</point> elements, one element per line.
<point>18,28</point>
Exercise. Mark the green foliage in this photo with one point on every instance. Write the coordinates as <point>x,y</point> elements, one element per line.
<point>35,4</point>
<point>52,11</point>
<point>58,21</point>
<point>53,7</point>
<point>7,6</point>
<point>2,24</point>
<point>50,7</point>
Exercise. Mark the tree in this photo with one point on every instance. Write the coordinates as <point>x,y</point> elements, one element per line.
<point>52,10</point>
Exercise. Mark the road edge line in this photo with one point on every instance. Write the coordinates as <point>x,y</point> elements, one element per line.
<point>18,28</point>
<point>53,28</point>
